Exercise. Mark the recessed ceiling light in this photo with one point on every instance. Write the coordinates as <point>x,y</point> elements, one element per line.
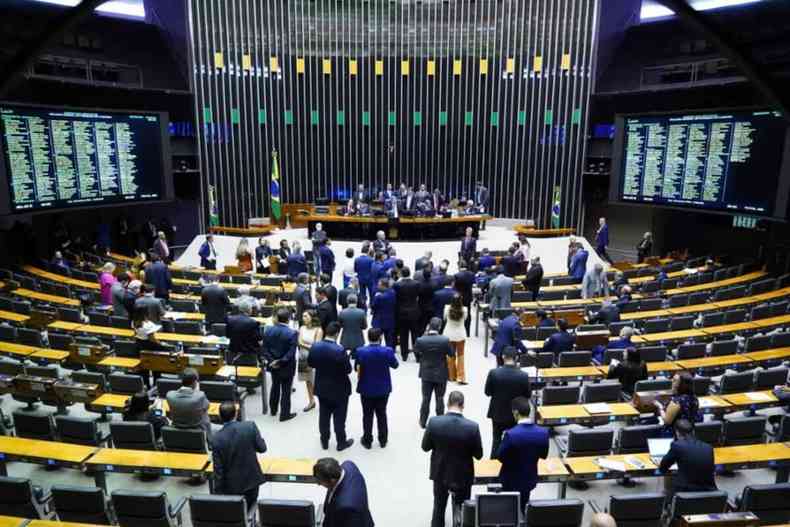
<point>127,8</point>
<point>652,9</point>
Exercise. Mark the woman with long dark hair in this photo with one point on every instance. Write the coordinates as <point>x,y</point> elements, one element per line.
<point>684,403</point>
<point>454,315</point>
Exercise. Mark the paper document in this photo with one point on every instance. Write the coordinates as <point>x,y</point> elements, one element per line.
<point>532,371</point>
<point>759,397</point>
<point>707,402</point>
<point>598,408</point>
<point>611,464</point>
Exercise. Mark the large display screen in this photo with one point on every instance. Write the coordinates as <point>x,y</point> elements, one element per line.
<point>55,158</point>
<point>728,161</point>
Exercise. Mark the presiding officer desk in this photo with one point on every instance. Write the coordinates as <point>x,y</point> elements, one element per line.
<point>401,228</point>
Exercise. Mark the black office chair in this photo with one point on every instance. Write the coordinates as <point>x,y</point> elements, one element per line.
<point>656,325</point>
<point>560,395</point>
<point>593,442</point>
<point>736,382</point>
<point>613,354</point>
<point>20,498</point>
<point>34,425</point>
<point>164,385</point>
<point>702,385</point>
<point>763,286</point>
<point>698,298</point>
<point>49,372</point>
<point>633,439</point>
<point>146,509</point>
<point>90,377</point>
<point>779,308</point>
<point>22,307</point>
<point>653,385</point>
<point>637,510</point>
<point>605,392</point>
<point>60,341</point>
<point>98,318</point>
<point>757,343</point>
<point>654,286</point>
<point>543,360</point>
<point>218,330</point>
<point>591,327</point>
<point>192,441</point>
<point>575,358</point>
<point>125,384</point>
<point>761,311</point>
<point>7,333</point>
<point>133,435</point>
<point>120,322</point>
<point>709,432</point>
<point>208,510</point>
<point>183,306</point>
<point>188,327</point>
<point>767,379</point>
<point>29,337</point>
<point>712,319</point>
<point>650,304</point>
<point>616,327</point>
<point>780,340</point>
<point>720,348</point>
<point>554,513</point>
<point>744,430</point>
<point>11,367</point>
<point>125,348</point>
<point>544,333</point>
<point>690,351</point>
<point>734,316</point>
<point>678,301</point>
<point>81,505</point>
<point>653,353</point>
<point>771,503</point>
<point>681,323</point>
<point>286,513</point>
<point>686,503</point>
<point>79,430</point>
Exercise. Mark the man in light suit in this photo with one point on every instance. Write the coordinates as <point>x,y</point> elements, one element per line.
<point>595,283</point>
<point>521,448</point>
<point>279,354</point>
<point>346,503</point>
<point>504,384</point>
<point>432,350</point>
<point>332,386</point>
<point>244,333</point>
<point>354,321</point>
<point>148,307</point>
<point>374,385</point>
<point>301,296</point>
<point>380,244</point>
<point>454,443</point>
<point>235,451</point>
<point>215,301</point>
<point>500,291</point>
<point>188,405</point>
<point>208,254</point>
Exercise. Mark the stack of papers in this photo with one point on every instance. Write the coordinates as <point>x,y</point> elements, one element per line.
<point>597,408</point>
<point>759,397</point>
<point>707,402</point>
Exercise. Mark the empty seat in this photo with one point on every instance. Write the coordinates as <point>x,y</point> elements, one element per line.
<point>125,348</point>
<point>613,354</point>
<point>656,325</point>
<point>125,384</point>
<point>653,353</point>
<point>633,439</point>
<point>544,360</point>
<point>120,322</point>
<point>18,497</point>
<point>133,435</point>
<point>168,384</point>
<point>145,509</point>
<point>184,440</point>
<point>281,513</point>
<point>560,395</point>
<point>779,308</point>
<point>669,283</point>
<point>744,430</point>
<point>29,337</point>
<point>11,367</point>
<point>218,330</point>
<point>720,348</point>
<point>7,333</point>
<point>653,385</point>
<point>758,343</point>
<point>184,306</point>
<point>736,382</point>
<point>734,316</point>
<point>219,391</point>
<point>50,372</point>
<point>681,323</point>
<point>685,503</point>
<point>78,430</point>
<point>763,286</point>
<point>650,304</point>
<point>762,311</point>
<point>780,340</point>
<point>603,393</point>
<point>768,379</point>
<point>97,318</point>
<point>60,341</point>
<point>554,513</point>
<point>738,291</point>
<point>690,351</point>
<point>702,385</point>
<point>188,327</point>
<point>678,301</point>
<point>207,510</point>
<point>80,504</point>
<point>637,510</point>
<point>771,503</point>
<point>34,425</point>
<point>90,377</point>
<point>650,287</point>
<point>575,358</point>
<point>595,442</point>
<point>712,319</point>
<point>709,432</point>
<point>22,307</point>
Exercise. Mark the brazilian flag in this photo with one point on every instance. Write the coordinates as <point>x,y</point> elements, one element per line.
<point>555,208</point>
<point>274,187</point>
<point>213,211</point>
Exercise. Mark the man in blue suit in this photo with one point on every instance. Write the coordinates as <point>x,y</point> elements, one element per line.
<point>158,275</point>
<point>486,260</point>
<point>207,253</point>
<point>383,307</point>
<point>374,385</point>
<point>442,297</point>
<point>346,503</point>
<point>602,239</point>
<point>561,340</point>
<point>363,266</point>
<point>279,352</point>
<point>332,386</point>
<point>507,334</point>
<point>578,263</point>
<point>519,451</point>
<point>377,270</point>
<point>296,262</point>
<point>327,258</point>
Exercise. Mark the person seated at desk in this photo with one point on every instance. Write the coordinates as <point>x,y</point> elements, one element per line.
<point>141,409</point>
<point>350,209</point>
<point>521,448</point>
<point>629,372</point>
<point>59,261</point>
<point>560,341</point>
<point>619,282</point>
<point>624,342</point>
<point>486,260</point>
<point>346,503</point>
<point>683,405</point>
<point>295,262</point>
<point>695,461</point>
<point>606,315</point>
<point>544,320</point>
<point>188,405</point>
<point>623,297</point>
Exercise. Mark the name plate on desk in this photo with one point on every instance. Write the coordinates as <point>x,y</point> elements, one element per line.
<point>42,387</point>
<point>77,392</point>
<point>6,383</point>
<point>91,354</point>
<point>176,362</point>
<point>645,401</point>
<point>725,519</point>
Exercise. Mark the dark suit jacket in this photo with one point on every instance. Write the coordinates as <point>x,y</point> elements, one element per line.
<point>453,442</point>
<point>464,282</point>
<point>468,248</point>
<point>420,262</point>
<point>296,264</point>
<point>204,252</point>
<point>363,265</point>
<point>407,294</point>
<point>486,262</point>
<point>374,363</point>
<point>508,333</point>
<point>236,466</point>
<point>159,275</point>
<point>349,504</point>
<point>327,260</point>
<point>519,451</point>
<point>695,465</point>
<point>244,334</point>
<point>331,294</point>
<point>332,367</point>
<point>534,277</point>
<point>558,342</point>
<point>511,265</point>
<point>441,298</point>
<point>578,264</point>
<point>215,302</point>
<point>607,315</point>
<point>425,298</point>
<point>301,297</point>
<point>279,343</point>
<point>504,384</point>
<point>433,351</point>
<point>342,298</point>
<point>327,312</point>
<point>383,307</point>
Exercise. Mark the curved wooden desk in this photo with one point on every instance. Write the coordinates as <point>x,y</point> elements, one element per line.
<point>403,228</point>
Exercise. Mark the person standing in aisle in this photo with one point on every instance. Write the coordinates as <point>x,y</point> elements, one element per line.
<point>454,316</point>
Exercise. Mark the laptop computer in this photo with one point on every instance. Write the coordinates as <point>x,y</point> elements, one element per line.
<point>658,449</point>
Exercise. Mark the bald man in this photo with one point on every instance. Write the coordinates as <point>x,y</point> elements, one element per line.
<point>601,519</point>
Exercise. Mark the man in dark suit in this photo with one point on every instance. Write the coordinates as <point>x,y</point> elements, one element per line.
<point>607,314</point>
<point>481,197</point>
<point>363,266</point>
<point>332,386</point>
<point>422,261</point>
<point>432,350</point>
<point>425,298</point>
<point>327,312</point>
<point>407,293</point>
<point>301,296</point>
<point>327,258</point>
<point>694,459</point>
<point>215,301</point>
<point>578,265</point>
<point>244,333</point>
<point>486,260</point>
<point>361,195</point>
<point>346,503</point>
<point>279,352</point>
<point>468,246</point>
<point>208,254</point>
<point>158,275</point>
<point>351,289</point>
<point>331,291</point>
<point>296,263</point>
<point>454,443</point>
<point>534,278</point>
<point>234,452</point>
<point>354,322</point>
<point>508,335</point>
<point>560,341</point>
<point>511,263</point>
<point>504,384</point>
<point>374,385</point>
<point>521,448</point>
<point>544,320</point>
<point>382,306</point>
<point>442,296</point>
<point>464,282</point>
<point>380,244</point>
<point>148,307</point>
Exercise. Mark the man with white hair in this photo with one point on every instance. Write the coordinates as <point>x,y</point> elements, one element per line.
<point>381,243</point>
<point>594,283</point>
<point>244,334</point>
<point>246,297</point>
<point>161,248</point>
<point>422,261</point>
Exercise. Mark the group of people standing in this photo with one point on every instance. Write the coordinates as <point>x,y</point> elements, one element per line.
<point>407,202</point>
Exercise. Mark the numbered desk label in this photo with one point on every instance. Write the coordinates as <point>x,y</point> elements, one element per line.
<point>166,471</point>
<point>109,468</point>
